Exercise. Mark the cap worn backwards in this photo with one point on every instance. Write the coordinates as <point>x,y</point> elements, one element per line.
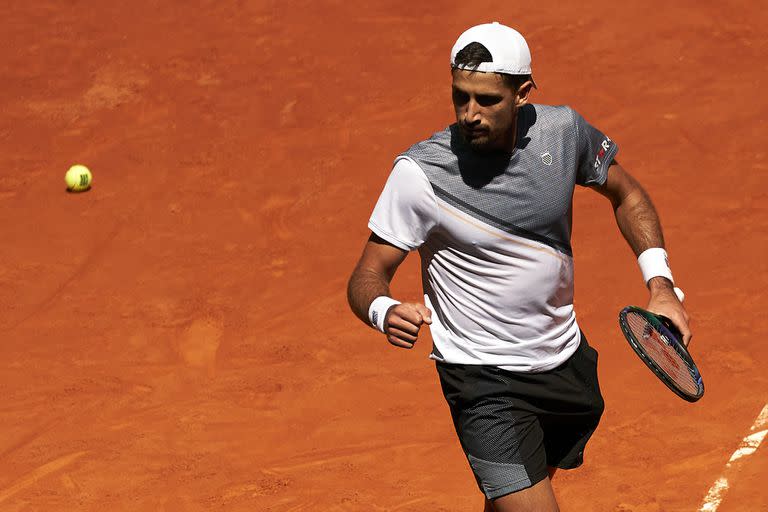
<point>507,47</point>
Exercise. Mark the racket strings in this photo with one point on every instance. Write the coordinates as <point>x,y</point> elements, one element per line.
<point>662,353</point>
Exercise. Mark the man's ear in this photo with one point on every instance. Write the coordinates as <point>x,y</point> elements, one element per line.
<point>521,97</point>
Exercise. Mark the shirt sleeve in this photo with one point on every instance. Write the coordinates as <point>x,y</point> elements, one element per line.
<point>595,153</point>
<point>407,208</point>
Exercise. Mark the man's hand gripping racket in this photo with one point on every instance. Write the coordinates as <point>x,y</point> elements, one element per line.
<point>659,343</point>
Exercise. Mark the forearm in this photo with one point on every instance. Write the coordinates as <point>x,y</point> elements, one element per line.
<point>363,287</point>
<point>640,225</point>
<point>638,221</point>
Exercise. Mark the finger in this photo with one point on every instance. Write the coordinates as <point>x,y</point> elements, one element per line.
<point>398,342</point>
<point>397,322</point>
<point>687,334</point>
<point>411,315</point>
<point>397,333</point>
<point>425,313</point>
<point>682,326</point>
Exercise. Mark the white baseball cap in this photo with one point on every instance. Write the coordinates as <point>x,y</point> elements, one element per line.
<point>508,49</point>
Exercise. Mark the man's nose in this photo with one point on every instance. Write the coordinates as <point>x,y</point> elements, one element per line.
<point>473,112</point>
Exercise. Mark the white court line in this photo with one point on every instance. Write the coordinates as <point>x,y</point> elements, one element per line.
<point>747,447</point>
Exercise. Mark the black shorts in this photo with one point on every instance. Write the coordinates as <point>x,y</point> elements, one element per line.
<point>513,425</point>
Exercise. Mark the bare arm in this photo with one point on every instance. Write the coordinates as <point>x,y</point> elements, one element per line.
<point>635,214</point>
<point>371,278</point>
<point>640,225</point>
<point>372,275</point>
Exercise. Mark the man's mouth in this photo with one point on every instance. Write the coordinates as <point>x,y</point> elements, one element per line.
<point>475,132</point>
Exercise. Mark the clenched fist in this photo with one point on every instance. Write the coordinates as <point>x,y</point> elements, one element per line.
<point>404,321</point>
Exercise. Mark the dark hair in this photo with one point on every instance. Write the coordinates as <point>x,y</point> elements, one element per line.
<point>474,54</point>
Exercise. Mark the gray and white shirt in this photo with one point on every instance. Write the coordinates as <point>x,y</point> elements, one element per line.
<point>493,232</point>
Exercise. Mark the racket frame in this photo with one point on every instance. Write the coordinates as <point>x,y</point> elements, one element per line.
<point>658,323</point>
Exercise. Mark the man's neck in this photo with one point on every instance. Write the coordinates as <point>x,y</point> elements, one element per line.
<point>512,138</point>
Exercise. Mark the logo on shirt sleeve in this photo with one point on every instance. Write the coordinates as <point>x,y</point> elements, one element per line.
<point>604,147</point>
<point>546,158</point>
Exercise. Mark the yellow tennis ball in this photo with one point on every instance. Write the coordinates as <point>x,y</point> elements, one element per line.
<point>78,178</point>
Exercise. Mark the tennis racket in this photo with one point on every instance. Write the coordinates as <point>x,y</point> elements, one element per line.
<point>659,344</point>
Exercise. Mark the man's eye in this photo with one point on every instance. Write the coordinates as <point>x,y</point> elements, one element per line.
<point>460,98</point>
<point>487,101</point>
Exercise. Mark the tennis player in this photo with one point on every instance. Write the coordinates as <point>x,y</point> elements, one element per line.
<point>487,202</point>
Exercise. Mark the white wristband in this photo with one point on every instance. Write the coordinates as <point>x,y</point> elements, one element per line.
<point>654,263</point>
<point>377,312</point>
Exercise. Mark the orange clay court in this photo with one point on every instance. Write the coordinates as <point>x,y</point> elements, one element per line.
<point>177,338</point>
